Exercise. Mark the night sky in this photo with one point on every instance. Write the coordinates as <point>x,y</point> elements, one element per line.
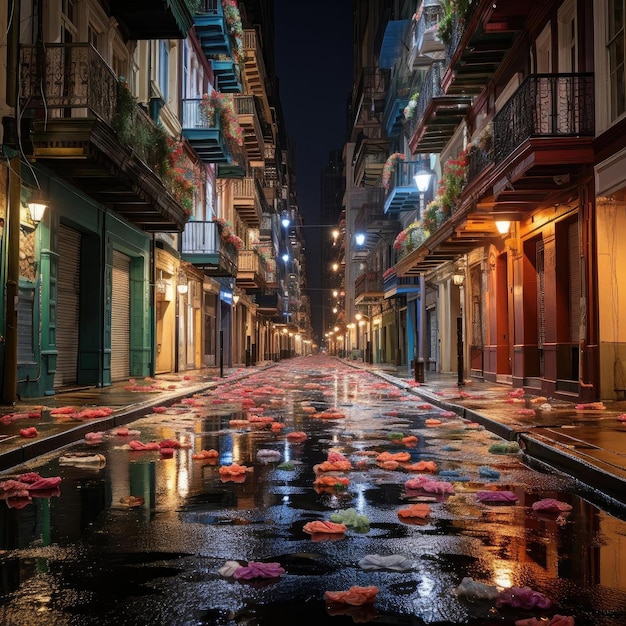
<point>314,68</point>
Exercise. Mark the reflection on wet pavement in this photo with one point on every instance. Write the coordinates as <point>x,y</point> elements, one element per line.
<point>313,469</point>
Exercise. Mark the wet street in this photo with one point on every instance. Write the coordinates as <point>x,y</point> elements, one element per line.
<point>308,492</point>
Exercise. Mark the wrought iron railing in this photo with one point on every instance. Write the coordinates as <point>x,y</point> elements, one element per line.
<point>368,282</point>
<point>456,33</point>
<point>545,105</point>
<point>60,77</point>
<point>431,88</point>
<point>209,7</point>
<point>478,159</point>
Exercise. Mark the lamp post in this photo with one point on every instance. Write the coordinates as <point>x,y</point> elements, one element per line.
<point>458,279</point>
<point>422,181</point>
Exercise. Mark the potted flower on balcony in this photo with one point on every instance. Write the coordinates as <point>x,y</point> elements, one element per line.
<point>235,28</point>
<point>452,182</point>
<point>183,175</point>
<point>227,234</point>
<point>390,166</point>
<point>409,109</point>
<point>219,108</point>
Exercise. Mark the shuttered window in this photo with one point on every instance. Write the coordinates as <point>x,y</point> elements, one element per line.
<point>120,317</point>
<point>574,281</point>
<point>68,307</point>
<point>541,297</point>
<point>25,322</point>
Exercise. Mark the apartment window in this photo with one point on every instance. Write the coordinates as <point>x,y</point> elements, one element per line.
<point>615,47</point>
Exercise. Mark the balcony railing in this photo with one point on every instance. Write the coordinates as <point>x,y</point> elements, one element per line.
<point>394,284</point>
<point>68,76</point>
<point>402,194</point>
<point>478,159</point>
<point>202,245</point>
<point>204,132</point>
<point>425,42</point>
<point>368,286</point>
<point>545,105</point>
<point>431,88</point>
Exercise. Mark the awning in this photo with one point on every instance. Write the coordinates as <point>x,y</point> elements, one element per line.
<point>391,46</point>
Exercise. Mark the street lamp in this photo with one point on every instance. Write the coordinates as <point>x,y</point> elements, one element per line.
<point>458,278</point>
<point>422,182</point>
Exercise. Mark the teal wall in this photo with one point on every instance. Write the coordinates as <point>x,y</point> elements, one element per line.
<point>102,231</point>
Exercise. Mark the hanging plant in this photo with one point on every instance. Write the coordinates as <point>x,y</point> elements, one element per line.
<point>235,28</point>
<point>220,108</point>
<point>390,166</point>
<point>184,176</point>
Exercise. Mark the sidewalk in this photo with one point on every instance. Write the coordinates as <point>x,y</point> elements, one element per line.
<point>588,444</point>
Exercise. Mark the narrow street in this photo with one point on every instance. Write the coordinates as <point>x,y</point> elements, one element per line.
<point>264,500</point>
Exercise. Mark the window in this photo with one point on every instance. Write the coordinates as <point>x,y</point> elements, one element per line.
<point>615,48</point>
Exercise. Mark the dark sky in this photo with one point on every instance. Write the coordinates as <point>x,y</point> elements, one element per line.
<point>314,68</point>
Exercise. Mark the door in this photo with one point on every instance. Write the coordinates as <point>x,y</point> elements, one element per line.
<point>120,317</point>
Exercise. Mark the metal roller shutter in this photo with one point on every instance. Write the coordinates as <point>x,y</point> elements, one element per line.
<point>120,317</point>
<point>68,307</point>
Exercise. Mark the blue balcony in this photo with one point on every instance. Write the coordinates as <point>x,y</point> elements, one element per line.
<point>394,285</point>
<point>235,167</point>
<point>202,245</point>
<point>402,194</point>
<point>228,76</point>
<point>212,30</point>
<point>205,136</point>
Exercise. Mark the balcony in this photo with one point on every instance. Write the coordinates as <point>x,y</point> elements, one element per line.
<point>212,30</point>
<point>368,288</point>
<point>153,19</point>
<point>402,192</point>
<point>252,126</point>
<point>542,150</point>
<point>251,270</point>
<point>394,285</point>
<point>369,98</point>
<point>235,166</point>
<point>479,42</point>
<point>249,200</point>
<point>228,75</point>
<point>426,44</point>
<point>542,144</point>
<point>268,304</point>
<point>202,245</point>
<point>397,98</point>
<point>369,159</point>
<point>205,135</point>
<point>254,70</point>
<point>437,115</point>
<point>72,95</point>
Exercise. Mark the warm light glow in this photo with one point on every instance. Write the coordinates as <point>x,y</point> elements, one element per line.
<point>358,316</point>
<point>335,293</point>
<point>503,226</point>
<point>335,233</point>
<point>361,323</point>
<point>285,331</point>
<point>37,206</point>
<point>235,299</point>
<point>335,309</point>
<point>335,267</point>
<point>422,180</point>
<point>457,279</point>
<point>182,285</point>
<point>336,329</point>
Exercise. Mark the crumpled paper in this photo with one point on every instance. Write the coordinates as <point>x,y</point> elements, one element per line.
<point>473,590</point>
<point>393,562</point>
